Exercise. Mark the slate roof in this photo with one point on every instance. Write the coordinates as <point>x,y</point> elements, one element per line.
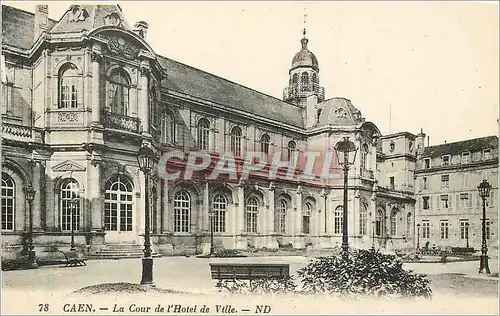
<point>18,29</point>
<point>333,111</point>
<point>457,148</point>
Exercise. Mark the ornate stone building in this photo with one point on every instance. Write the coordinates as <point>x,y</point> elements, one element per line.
<point>83,93</point>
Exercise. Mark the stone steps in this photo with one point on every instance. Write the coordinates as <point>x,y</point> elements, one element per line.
<point>120,251</point>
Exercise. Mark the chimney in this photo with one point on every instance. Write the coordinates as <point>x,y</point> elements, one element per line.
<point>41,20</point>
<point>141,29</point>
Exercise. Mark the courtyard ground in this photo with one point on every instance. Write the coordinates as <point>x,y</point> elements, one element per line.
<point>457,287</point>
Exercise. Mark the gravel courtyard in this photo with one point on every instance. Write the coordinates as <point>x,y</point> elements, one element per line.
<point>457,287</point>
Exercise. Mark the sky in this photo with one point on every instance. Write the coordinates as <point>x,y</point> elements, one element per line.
<point>405,65</point>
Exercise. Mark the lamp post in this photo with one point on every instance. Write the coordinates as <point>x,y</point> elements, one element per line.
<point>212,253</point>
<point>145,159</point>
<point>373,235</point>
<point>467,233</point>
<point>418,236</point>
<point>484,191</point>
<point>29,194</point>
<point>342,150</point>
<point>73,204</point>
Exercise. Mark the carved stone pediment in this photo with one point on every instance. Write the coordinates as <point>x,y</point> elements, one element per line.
<point>68,165</point>
<point>118,46</point>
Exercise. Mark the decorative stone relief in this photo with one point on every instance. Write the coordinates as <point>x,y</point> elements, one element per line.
<point>66,117</point>
<point>68,165</point>
<point>119,46</point>
<point>113,19</point>
<point>340,113</point>
<point>77,13</point>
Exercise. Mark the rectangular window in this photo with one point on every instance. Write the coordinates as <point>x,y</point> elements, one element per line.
<point>445,181</point>
<point>444,201</point>
<point>465,157</point>
<point>445,160</point>
<point>487,154</point>
<point>464,229</point>
<point>427,163</point>
<point>391,181</point>
<point>465,180</point>
<point>425,201</point>
<point>426,229</point>
<point>306,224</point>
<point>444,229</point>
<point>424,183</point>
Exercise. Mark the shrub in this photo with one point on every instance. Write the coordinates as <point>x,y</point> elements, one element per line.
<point>260,286</point>
<point>228,253</point>
<point>365,272</point>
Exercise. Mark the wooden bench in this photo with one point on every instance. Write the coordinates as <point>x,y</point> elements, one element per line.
<point>462,251</point>
<point>249,271</point>
<point>73,259</point>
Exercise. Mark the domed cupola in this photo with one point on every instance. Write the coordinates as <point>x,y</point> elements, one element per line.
<point>304,77</point>
<point>305,58</point>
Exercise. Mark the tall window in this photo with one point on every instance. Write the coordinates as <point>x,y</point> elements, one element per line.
<point>424,183</point>
<point>426,229</point>
<point>445,181</point>
<point>68,87</point>
<point>203,134</point>
<point>364,157</point>
<point>118,202</point>
<point>264,144</point>
<point>394,223</point>
<point>444,201</point>
<point>219,209</point>
<point>70,205</point>
<point>306,218</point>
<point>154,109</point>
<point>280,217</point>
<point>295,79</point>
<point>408,225</point>
<point>118,92</point>
<point>379,222</point>
<point>236,136</point>
<point>292,150</point>
<point>445,160</point>
<point>8,202</point>
<point>182,212</point>
<point>304,81</point>
<point>337,220</point>
<point>465,157</point>
<point>251,212</point>
<point>427,163</point>
<point>444,229</point>
<point>363,219</point>
<point>425,202</point>
<point>167,128</point>
<point>464,231</point>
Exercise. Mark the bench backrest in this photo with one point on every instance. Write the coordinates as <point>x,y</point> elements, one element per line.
<point>245,271</point>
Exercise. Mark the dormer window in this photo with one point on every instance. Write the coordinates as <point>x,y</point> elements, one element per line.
<point>427,163</point>
<point>465,157</point>
<point>445,160</point>
<point>486,154</point>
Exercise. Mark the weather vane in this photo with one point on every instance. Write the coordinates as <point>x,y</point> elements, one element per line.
<point>305,21</point>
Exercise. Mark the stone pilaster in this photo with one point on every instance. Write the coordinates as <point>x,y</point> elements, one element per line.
<point>95,193</point>
<point>96,58</point>
<point>144,100</point>
<point>271,239</point>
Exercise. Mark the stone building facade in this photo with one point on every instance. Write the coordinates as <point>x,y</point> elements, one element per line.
<point>83,93</point>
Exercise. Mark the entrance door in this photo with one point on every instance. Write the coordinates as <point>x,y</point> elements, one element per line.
<point>118,211</point>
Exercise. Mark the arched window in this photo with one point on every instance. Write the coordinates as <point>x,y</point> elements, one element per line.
<point>379,223</point>
<point>219,209</point>
<point>291,150</point>
<point>315,79</point>
<point>363,219</point>
<point>306,218</point>
<point>154,109</point>
<point>408,224</point>
<point>182,212</point>
<point>280,217</point>
<point>68,87</point>
<point>393,219</point>
<point>338,218</point>
<point>8,202</point>
<point>251,212</point>
<point>118,92</point>
<point>168,128</point>
<point>203,134</point>
<point>236,136</point>
<point>70,205</point>
<point>118,202</point>
<point>364,157</point>
<point>304,81</point>
<point>264,143</point>
<point>295,79</point>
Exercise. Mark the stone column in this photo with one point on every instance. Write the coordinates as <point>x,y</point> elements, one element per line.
<point>144,100</point>
<point>37,202</point>
<point>95,195</point>
<point>165,207</point>
<point>372,218</point>
<point>240,219</point>
<point>206,208</point>
<point>96,106</point>
<point>271,239</point>
<point>299,239</point>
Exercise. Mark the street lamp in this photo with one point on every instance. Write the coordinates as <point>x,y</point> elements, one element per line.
<point>418,236</point>
<point>484,191</point>
<point>145,159</point>
<point>342,150</point>
<point>29,194</point>
<point>373,235</point>
<point>467,233</point>
<point>212,253</point>
<point>73,203</point>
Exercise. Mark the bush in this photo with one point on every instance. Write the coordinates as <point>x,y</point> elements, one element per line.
<point>364,272</point>
<point>228,253</point>
<point>15,264</point>
<point>260,286</point>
